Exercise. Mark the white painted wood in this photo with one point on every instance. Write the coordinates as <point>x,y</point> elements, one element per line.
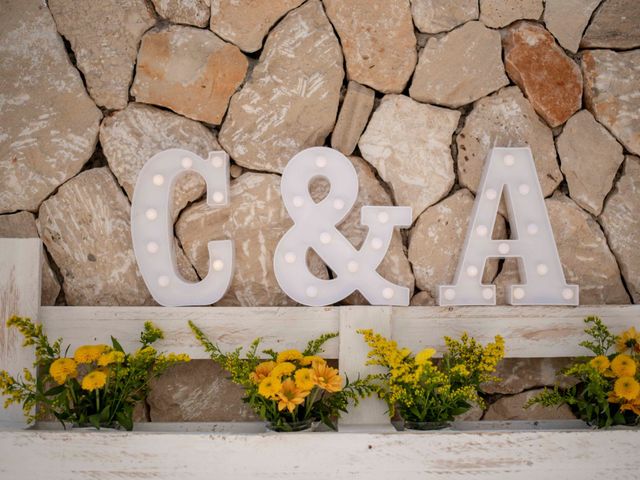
<point>20,277</point>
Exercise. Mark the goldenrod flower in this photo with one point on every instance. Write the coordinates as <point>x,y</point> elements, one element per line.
<point>282,369</point>
<point>290,396</point>
<point>269,387</point>
<point>600,363</point>
<point>326,377</point>
<point>89,353</point>
<point>425,355</point>
<point>627,388</point>
<point>623,366</point>
<point>94,380</point>
<point>308,360</point>
<point>629,340</point>
<point>292,355</point>
<point>304,379</point>
<point>63,368</point>
<point>262,371</point>
<point>111,357</point>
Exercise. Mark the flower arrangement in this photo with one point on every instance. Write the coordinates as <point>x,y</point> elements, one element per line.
<point>99,386</point>
<point>426,394</point>
<point>607,391</point>
<point>289,389</point>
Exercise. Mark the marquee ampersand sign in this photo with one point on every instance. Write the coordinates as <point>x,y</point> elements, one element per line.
<point>315,228</point>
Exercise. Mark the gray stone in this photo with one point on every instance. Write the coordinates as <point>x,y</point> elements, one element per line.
<point>435,16</point>
<point>512,408</point>
<point>567,19</point>
<point>520,374</point>
<point>191,12</point>
<point>616,24</point>
<point>353,117</point>
<point>500,13</point>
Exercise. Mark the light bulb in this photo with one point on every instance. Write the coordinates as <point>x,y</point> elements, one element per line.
<point>325,238</point>
<point>487,293</point>
<point>383,217</point>
<point>151,214</point>
<point>449,294</point>
<point>218,265</point>
<point>163,281</point>
<point>158,180</point>
<point>376,243</point>
<point>353,266</point>
<point>218,197</point>
<point>186,162</point>
<point>289,257</point>
<point>321,162</point>
<point>312,292</point>
<point>518,293</point>
<point>298,201</point>
<point>387,293</point>
<point>472,270</point>
<point>153,247</point>
<point>217,161</point>
<point>509,160</point>
<point>567,294</point>
<point>542,269</point>
<point>532,229</point>
<point>491,194</point>
<point>482,230</point>
<point>503,248</point>
<point>338,204</point>
<point>524,189</point>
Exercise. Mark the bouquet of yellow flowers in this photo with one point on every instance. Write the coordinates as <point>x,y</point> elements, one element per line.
<point>99,386</point>
<point>290,389</point>
<point>429,395</point>
<point>608,388</point>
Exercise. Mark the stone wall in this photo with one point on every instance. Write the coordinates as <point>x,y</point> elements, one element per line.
<point>415,93</point>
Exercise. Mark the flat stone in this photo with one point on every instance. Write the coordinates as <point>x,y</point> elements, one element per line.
<point>378,41</point>
<point>520,374</point>
<point>48,129</point>
<point>409,144</point>
<point>621,223</point>
<point>435,16</point>
<point>505,119</point>
<point>354,114</point>
<point>190,12</point>
<point>590,158</point>
<point>422,299</point>
<point>498,13</point>
<point>245,23</point>
<point>132,136</point>
<point>567,19</point>
<point>189,70</point>
<point>255,220</point>
<point>23,225</point>
<point>291,100</point>
<point>611,82</point>
<point>104,37</point>
<point>512,408</point>
<point>549,78</point>
<point>197,391</point>
<point>459,67</point>
<point>614,25</point>
<point>437,238</point>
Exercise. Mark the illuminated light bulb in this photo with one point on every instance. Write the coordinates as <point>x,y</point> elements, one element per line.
<point>482,230</point>
<point>158,180</point>
<point>218,197</point>
<point>153,247</point>
<point>151,214</point>
<point>487,293</point>
<point>449,294</point>
<point>542,269</point>
<point>503,248</point>
<point>289,257</point>
<point>312,292</point>
<point>353,266</point>
<point>186,162</point>
<point>217,162</point>
<point>518,293</point>
<point>325,238</point>
<point>298,201</point>
<point>163,281</point>
<point>567,294</point>
<point>338,204</point>
<point>376,243</point>
<point>532,229</point>
<point>491,194</point>
<point>383,217</point>
<point>509,160</point>
<point>524,189</point>
<point>472,270</point>
<point>321,162</point>
<point>387,293</point>
<point>218,265</point>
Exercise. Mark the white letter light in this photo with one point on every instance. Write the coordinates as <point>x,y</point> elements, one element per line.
<point>512,171</point>
<point>314,228</point>
<point>152,228</point>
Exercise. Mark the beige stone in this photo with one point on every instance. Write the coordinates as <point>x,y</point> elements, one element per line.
<point>567,19</point>
<point>48,129</point>
<point>378,41</point>
<point>621,223</point>
<point>611,82</point>
<point>614,25</point>
<point>23,225</point>
<point>590,158</point>
<point>474,414</point>
<point>409,144</point>
<point>512,408</point>
<point>191,12</point>
<point>422,299</point>
<point>189,70</point>
<point>291,100</point>
<point>245,23</point>
<point>520,374</point>
<point>500,13</point>
<point>104,37</point>
<point>354,114</point>
<point>505,119</point>
<point>435,16</point>
<point>436,241</point>
<point>459,67</point>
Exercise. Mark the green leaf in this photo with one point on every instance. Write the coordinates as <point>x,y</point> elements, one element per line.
<point>95,420</point>
<point>116,345</point>
<point>125,420</point>
<point>54,391</point>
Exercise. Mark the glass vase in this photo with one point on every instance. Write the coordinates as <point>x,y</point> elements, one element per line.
<point>301,426</point>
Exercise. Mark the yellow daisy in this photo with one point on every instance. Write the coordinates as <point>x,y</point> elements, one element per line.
<point>290,396</point>
<point>269,387</point>
<point>262,371</point>
<point>423,356</point>
<point>304,379</point>
<point>111,357</point>
<point>89,353</point>
<point>327,378</point>
<point>282,369</point>
<point>94,380</point>
<point>63,368</point>
<point>308,360</point>
<point>629,340</point>
<point>600,363</point>
<point>623,366</point>
<point>292,355</point>
<point>627,388</point>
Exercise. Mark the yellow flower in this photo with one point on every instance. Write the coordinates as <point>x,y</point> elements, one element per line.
<point>304,379</point>
<point>269,387</point>
<point>292,355</point>
<point>623,366</point>
<point>282,369</point>
<point>262,371</point>
<point>629,340</point>
<point>633,405</point>
<point>63,368</point>
<point>89,353</point>
<point>308,360</point>
<point>94,380</point>
<point>326,377</point>
<point>600,363</point>
<point>461,370</point>
<point>627,388</point>
<point>290,396</point>
<point>111,357</point>
<point>424,355</point>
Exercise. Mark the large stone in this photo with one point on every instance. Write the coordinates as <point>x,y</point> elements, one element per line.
<point>409,144</point>
<point>245,23</point>
<point>422,299</point>
<point>23,225</point>
<point>567,19</point>
<point>191,12</point>
<point>621,223</point>
<point>197,392</point>
<point>505,119</point>
<point>104,37</point>
<point>549,78</point>
<point>512,408</point>
<point>255,220</point>
<point>189,70</point>
<point>500,13</point>
<point>437,238</point>
<point>520,374</point>
<point>435,16</point>
<point>616,24</point>
<point>378,41</point>
<point>611,82</point>
<point>291,100</point>
<point>48,123</point>
<point>354,114</point>
<point>132,136</point>
<point>590,158</point>
<point>459,67</point>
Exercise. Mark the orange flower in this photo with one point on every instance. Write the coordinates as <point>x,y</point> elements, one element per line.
<point>290,396</point>
<point>326,377</point>
<point>629,340</point>
<point>262,371</point>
